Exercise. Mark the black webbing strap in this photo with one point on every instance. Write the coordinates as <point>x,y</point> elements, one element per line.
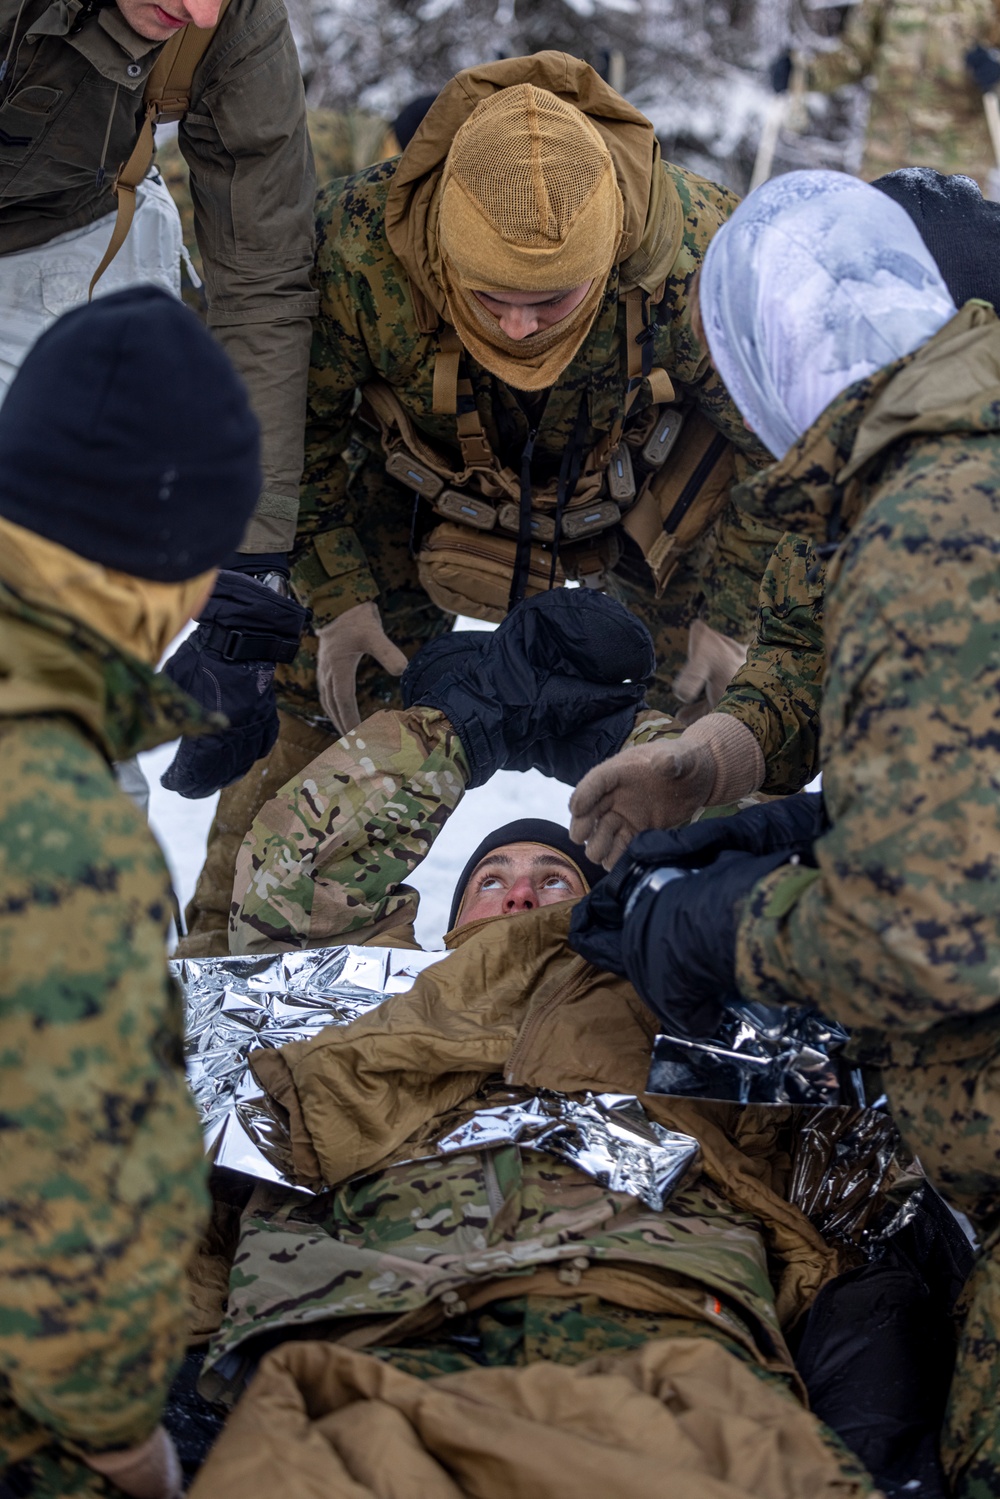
<point>245,645</point>
<point>522,557</point>
<point>569,474</point>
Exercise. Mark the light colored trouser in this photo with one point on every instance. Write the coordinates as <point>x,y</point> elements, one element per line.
<point>38,285</point>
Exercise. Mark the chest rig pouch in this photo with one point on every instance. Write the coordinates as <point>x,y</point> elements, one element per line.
<point>502,537</point>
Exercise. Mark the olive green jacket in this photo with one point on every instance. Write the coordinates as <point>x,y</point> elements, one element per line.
<point>70,110</point>
<point>102,1170</point>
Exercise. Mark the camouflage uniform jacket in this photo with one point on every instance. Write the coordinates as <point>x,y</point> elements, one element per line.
<point>899,927</point>
<point>367,328</point>
<point>925,109</point>
<point>71,110</point>
<point>404,1250</point>
<point>101,1174</point>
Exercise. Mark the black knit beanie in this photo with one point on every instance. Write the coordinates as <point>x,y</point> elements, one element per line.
<point>958,225</point>
<point>527,830</point>
<point>128,438</point>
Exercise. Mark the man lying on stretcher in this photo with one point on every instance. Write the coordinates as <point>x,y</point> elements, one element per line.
<point>410,1272</point>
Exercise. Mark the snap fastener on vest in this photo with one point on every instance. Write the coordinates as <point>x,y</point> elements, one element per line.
<point>133,70</point>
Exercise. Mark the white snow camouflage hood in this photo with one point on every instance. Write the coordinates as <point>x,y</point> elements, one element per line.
<point>816,281</point>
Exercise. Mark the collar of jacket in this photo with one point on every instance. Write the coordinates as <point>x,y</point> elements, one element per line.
<point>53,664</point>
<point>950,384</point>
<point>107,42</point>
<point>653,225</point>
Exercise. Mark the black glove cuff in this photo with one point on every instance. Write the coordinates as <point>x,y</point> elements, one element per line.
<point>247,645</point>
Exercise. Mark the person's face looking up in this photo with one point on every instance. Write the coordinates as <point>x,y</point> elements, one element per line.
<point>522,313</point>
<point>157,23</point>
<point>519,877</point>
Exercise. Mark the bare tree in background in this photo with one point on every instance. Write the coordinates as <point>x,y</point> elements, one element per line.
<point>698,68</point>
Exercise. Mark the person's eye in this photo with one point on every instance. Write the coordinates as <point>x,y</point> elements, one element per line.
<point>490,882</point>
<point>556,882</point>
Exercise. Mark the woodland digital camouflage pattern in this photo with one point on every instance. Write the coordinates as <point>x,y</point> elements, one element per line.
<point>329,858</point>
<point>101,1173</point>
<point>367,329</point>
<point>925,110</point>
<point>897,933</point>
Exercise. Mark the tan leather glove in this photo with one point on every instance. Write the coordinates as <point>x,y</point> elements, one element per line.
<point>342,643</point>
<point>150,1471</point>
<point>713,660</point>
<point>663,784</point>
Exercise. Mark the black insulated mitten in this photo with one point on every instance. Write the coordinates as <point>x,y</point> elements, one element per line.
<point>227,666</point>
<point>668,913</point>
<point>556,686</point>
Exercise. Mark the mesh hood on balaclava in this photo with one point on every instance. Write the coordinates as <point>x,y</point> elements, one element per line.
<point>817,280</point>
<point>651,230</point>
<point>529,203</point>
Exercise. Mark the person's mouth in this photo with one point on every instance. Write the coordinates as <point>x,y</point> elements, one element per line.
<point>164,18</point>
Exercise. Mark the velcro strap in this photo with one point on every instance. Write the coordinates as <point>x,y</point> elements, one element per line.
<point>444,392</point>
<point>244,645</point>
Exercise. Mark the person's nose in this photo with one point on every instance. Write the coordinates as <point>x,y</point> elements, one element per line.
<point>202,13</point>
<point>522,896</point>
<point>519,322</point>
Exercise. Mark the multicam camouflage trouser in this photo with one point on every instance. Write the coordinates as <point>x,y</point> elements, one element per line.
<point>944,1090</point>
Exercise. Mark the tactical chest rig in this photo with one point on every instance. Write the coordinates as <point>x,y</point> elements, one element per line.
<point>662,480</point>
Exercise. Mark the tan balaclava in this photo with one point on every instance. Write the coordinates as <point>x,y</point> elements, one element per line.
<point>136,615</point>
<point>529,203</point>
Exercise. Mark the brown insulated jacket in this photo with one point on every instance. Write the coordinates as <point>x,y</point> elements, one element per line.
<point>71,104</point>
<point>535,1011</point>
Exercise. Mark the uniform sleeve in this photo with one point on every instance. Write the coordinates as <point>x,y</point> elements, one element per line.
<point>330,571</point>
<point>101,1172</point>
<point>778,693</point>
<point>328,856</point>
<point>253,186</point>
<point>854,57</point>
<point>899,927</point>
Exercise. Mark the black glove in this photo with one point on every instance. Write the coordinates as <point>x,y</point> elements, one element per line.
<point>666,916</point>
<point>271,566</point>
<point>780,72</point>
<point>557,686</point>
<point>227,666</point>
<point>983,64</point>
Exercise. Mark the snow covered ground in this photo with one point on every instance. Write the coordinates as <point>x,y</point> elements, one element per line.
<point>182,828</point>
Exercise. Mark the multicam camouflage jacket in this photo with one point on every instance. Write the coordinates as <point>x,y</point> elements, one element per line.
<point>416,1246</point>
<point>899,927</point>
<point>101,1174</point>
<point>925,110</point>
<point>367,329</point>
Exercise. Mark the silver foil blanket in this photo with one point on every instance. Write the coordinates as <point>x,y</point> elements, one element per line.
<point>608,1136</point>
<point>759,1054</point>
<point>236,1005</point>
